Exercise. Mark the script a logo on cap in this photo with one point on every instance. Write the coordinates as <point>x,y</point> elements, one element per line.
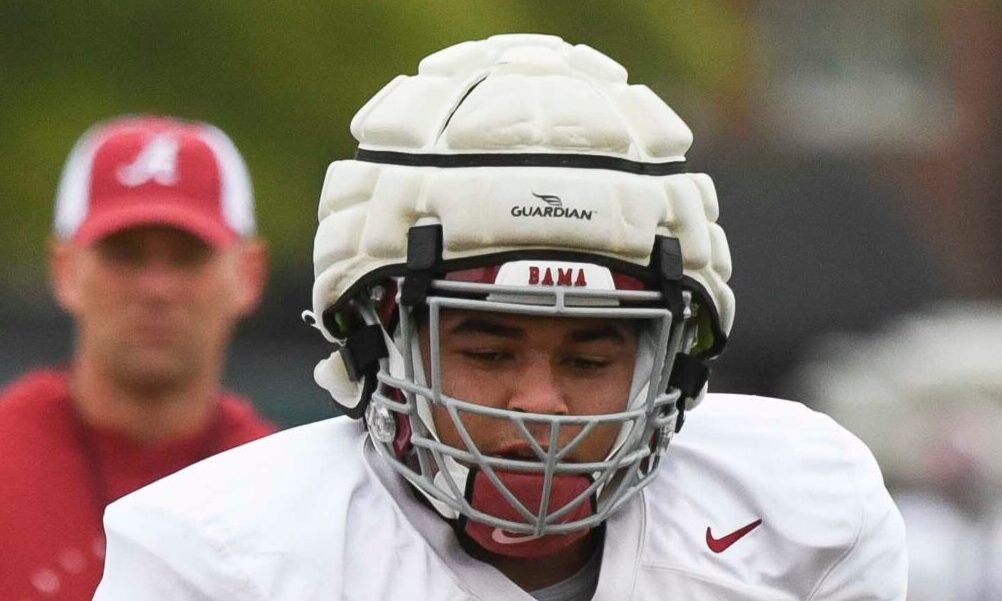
<point>157,162</point>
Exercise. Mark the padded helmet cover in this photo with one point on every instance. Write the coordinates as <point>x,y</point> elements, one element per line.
<point>518,95</point>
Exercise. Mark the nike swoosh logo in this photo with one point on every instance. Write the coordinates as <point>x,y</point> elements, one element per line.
<point>511,538</point>
<point>719,545</point>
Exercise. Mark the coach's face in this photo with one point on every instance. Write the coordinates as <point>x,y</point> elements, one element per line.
<point>155,306</point>
<point>532,364</point>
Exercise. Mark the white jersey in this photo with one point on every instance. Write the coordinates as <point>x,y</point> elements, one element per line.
<point>758,499</point>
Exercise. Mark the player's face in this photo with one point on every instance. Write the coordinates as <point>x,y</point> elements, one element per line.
<point>155,306</point>
<point>532,364</point>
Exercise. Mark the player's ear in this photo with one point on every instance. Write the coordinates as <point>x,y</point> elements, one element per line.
<point>252,266</point>
<point>63,275</point>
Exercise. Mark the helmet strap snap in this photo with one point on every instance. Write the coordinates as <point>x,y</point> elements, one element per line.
<point>688,375</point>
<point>361,353</point>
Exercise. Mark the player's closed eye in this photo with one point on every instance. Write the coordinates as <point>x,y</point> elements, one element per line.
<point>487,357</point>
<point>587,364</point>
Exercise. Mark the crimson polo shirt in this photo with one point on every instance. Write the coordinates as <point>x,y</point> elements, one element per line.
<point>57,473</point>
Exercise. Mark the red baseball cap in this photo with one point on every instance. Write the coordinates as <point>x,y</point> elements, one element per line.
<point>154,170</point>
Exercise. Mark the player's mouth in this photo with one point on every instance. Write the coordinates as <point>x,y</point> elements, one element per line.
<point>516,451</point>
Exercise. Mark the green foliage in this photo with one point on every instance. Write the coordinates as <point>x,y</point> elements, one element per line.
<point>284,79</point>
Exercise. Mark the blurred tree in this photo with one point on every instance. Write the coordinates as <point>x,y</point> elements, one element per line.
<point>284,79</point>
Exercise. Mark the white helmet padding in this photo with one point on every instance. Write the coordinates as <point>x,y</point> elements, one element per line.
<point>513,149</point>
<point>592,164</point>
<point>493,210</point>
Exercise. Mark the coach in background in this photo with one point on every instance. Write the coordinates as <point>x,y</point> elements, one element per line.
<point>154,258</point>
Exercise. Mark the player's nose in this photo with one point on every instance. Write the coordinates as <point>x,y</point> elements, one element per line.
<point>537,389</point>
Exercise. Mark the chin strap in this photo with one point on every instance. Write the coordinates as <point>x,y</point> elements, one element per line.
<point>667,270</point>
<point>349,374</point>
<point>361,354</point>
<point>689,376</point>
<point>484,496</point>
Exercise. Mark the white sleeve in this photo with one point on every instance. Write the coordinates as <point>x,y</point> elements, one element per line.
<point>875,565</point>
<point>154,555</point>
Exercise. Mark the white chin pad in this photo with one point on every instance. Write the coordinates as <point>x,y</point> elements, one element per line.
<point>693,402</point>
<point>332,375</point>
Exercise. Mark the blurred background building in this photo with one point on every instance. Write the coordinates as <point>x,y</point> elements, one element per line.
<point>856,146</point>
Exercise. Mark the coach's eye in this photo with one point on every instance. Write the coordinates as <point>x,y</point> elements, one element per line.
<point>119,253</point>
<point>191,255</point>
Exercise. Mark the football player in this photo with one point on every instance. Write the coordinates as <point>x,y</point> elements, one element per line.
<point>524,284</point>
